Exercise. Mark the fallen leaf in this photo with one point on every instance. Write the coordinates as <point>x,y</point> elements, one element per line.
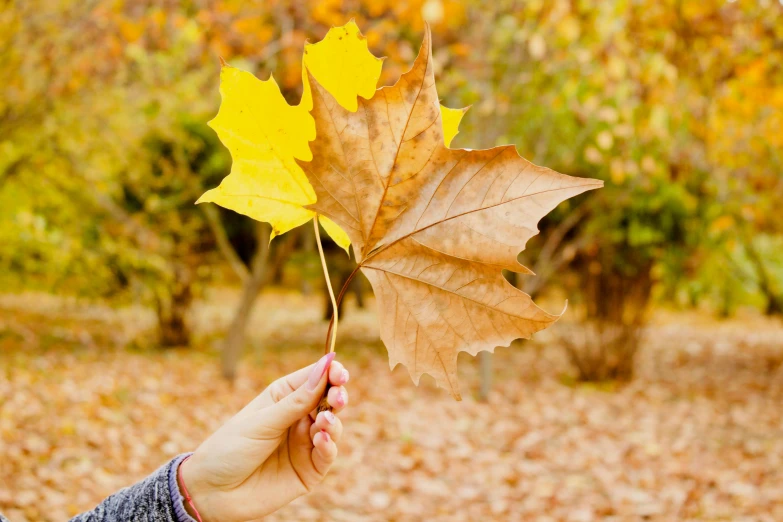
<point>432,227</point>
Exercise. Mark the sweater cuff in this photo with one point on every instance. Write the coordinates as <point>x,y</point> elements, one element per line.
<point>177,500</point>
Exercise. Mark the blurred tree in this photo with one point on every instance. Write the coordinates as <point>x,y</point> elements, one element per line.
<point>676,105</point>
<point>100,155</point>
<point>630,92</point>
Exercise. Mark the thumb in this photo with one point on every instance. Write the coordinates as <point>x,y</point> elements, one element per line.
<point>299,403</point>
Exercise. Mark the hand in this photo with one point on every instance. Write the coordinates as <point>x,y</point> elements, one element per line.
<point>272,451</point>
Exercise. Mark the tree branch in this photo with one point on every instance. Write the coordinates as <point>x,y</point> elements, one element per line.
<point>224,245</point>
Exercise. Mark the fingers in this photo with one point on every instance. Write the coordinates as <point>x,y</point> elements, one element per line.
<point>338,398</point>
<point>314,450</point>
<point>338,375</point>
<point>328,422</point>
<point>300,448</point>
<point>324,452</point>
<point>298,403</point>
<point>284,386</point>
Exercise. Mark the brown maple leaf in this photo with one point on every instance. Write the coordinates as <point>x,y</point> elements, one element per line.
<point>432,228</point>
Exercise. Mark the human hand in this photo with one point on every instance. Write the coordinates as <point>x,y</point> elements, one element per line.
<point>272,451</point>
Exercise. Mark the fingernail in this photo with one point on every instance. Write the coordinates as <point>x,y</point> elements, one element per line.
<point>319,370</point>
<point>330,418</point>
<point>345,376</point>
<point>341,398</point>
<point>326,435</point>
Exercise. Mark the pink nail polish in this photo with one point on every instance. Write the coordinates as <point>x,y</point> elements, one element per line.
<point>326,435</point>
<point>345,376</point>
<point>330,418</point>
<point>319,370</point>
<point>341,398</point>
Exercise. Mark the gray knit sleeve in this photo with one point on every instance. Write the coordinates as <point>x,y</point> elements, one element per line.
<point>147,501</point>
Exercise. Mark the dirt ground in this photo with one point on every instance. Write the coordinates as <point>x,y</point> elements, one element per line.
<point>86,408</point>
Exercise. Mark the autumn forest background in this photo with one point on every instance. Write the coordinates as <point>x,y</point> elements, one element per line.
<point>133,322</point>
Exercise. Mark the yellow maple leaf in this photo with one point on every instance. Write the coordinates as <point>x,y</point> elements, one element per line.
<point>265,134</point>
<point>451,119</point>
<point>343,65</point>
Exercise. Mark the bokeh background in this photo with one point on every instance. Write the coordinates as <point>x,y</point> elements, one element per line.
<point>133,323</point>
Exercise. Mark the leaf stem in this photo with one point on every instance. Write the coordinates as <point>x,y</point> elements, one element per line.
<point>340,300</point>
<point>334,321</point>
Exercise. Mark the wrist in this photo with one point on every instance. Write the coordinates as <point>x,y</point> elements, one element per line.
<point>183,474</point>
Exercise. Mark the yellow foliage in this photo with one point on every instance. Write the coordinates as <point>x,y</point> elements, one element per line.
<point>723,223</point>
<point>264,134</point>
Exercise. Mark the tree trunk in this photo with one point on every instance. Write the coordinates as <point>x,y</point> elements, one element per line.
<point>358,290</point>
<point>485,361</point>
<point>224,244</point>
<point>172,310</point>
<point>604,348</point>
<point>765,282</point>
<point>235,340</point>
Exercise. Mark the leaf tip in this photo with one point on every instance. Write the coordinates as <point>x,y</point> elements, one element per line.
<point>561,314</point>
<point>352,23</point>
<point>311,81</point>
<point>522,269</point>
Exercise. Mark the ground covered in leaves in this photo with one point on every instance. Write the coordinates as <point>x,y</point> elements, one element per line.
<point>86,408</point>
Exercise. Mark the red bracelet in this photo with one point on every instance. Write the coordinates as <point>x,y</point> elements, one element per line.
<point>188,498</point>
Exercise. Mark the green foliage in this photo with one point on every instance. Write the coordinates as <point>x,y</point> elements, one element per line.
<point>105,153</point>
<point>676,105</point>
